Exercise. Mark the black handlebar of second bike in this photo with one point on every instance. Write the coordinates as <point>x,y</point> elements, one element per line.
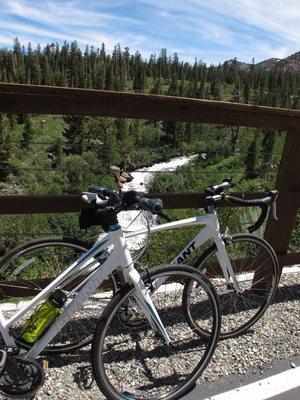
<point>215,194</point>
<point>262,203</point>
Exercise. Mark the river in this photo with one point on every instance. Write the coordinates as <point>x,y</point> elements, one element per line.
<point>134,220</point>
<point>142,176</point>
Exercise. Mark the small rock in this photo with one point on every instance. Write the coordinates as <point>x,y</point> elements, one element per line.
<point>293,365</point>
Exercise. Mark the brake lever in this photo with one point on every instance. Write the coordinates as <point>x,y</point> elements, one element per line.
<point>93,199</point>
<point>274,208</point>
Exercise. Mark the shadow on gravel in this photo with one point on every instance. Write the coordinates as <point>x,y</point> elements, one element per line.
<point>57,361</point>
<point>287,293</point>
<point>284,294</point>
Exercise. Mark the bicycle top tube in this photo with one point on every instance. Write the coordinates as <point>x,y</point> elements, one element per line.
<point>207,219</point>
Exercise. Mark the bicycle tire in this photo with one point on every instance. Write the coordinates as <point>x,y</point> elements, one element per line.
<point>239,312</point>
<point>123,371</point>
<point>38,248</point>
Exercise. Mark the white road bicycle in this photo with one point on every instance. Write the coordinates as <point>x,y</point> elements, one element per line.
<point>28,268</point>
<point>245,291</point>
<point>144,346</point>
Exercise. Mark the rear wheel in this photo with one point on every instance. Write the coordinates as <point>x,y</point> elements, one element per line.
<point>30,268</point>
<point>135,362</point>
<point>256,269</point>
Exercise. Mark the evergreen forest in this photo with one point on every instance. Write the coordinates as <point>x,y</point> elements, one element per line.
<point>43,154</point>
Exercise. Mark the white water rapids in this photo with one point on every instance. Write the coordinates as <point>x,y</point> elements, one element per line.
<point>135,220</point>
<point>142,176</point>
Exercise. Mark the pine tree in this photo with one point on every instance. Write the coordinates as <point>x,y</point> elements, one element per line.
<point>169,127</point>
<point>3,75</point>
<point>27,132</point>
<point>157,89</point>
<point>29,64</point>
<point>109,78</point>
<point>173,89</point>
<point>236,94</point>
<point>56,150</point>
<point>12,121</point>
<point>250,160</point>
<point>215,90</point>
<point>246,92</point>
<point>74,134</point>
<point>267,146</point>
<point>4,153</point>
<point>108,153</point>
<point>139,80</point>
<point>188,134</point>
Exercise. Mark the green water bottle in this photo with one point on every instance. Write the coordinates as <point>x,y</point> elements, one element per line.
<point>43,317</point>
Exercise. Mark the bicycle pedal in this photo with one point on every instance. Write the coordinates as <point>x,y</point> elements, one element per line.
<point>45,364</point>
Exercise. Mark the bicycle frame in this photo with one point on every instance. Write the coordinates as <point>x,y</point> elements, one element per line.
<point>211,231</point>
<point>118,257</point>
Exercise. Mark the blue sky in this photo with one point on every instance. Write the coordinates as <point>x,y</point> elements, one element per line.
<point>211,30</point>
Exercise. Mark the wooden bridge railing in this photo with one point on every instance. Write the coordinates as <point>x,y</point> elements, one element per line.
<point>66,101</point>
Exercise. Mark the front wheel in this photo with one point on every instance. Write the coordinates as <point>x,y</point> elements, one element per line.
<point>256,269</point>
<point>137,363</point>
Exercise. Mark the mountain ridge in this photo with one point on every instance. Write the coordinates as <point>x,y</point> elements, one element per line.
<point>289,63</point>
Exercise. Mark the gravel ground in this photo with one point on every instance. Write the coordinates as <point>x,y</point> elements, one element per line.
<point>275,336</point>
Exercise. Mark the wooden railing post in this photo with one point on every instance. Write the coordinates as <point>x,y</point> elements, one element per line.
<point>278,233</point>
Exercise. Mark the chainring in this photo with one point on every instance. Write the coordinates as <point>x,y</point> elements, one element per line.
<point>28,386</point>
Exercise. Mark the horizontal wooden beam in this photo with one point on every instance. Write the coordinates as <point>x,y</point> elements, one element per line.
<point>35,99</point>
<point>39,204</point>
<point>286,260</point>
<point>65,204</point>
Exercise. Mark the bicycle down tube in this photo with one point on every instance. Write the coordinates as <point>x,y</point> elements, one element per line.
<point>120,256</point>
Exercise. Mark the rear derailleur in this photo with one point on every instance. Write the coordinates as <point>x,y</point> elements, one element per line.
<point>19,376</point>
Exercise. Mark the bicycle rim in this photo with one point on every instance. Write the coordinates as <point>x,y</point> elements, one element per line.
<point>256,269</point>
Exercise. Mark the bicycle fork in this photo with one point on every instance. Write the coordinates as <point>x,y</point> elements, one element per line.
<point>225,263</point>
<point>145,302</point>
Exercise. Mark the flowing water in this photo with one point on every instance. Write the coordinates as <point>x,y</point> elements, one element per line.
<point>135,220</point>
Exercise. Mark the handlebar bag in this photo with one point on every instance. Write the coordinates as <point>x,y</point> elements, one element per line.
<point>89,217</point>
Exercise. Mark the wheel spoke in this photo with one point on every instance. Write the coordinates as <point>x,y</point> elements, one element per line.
<point>138,363</point>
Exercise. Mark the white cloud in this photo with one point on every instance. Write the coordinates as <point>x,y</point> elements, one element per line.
<point>229,22</point>
<point>214,30</point>
<point>65,21</point>
<point>70,13</point>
